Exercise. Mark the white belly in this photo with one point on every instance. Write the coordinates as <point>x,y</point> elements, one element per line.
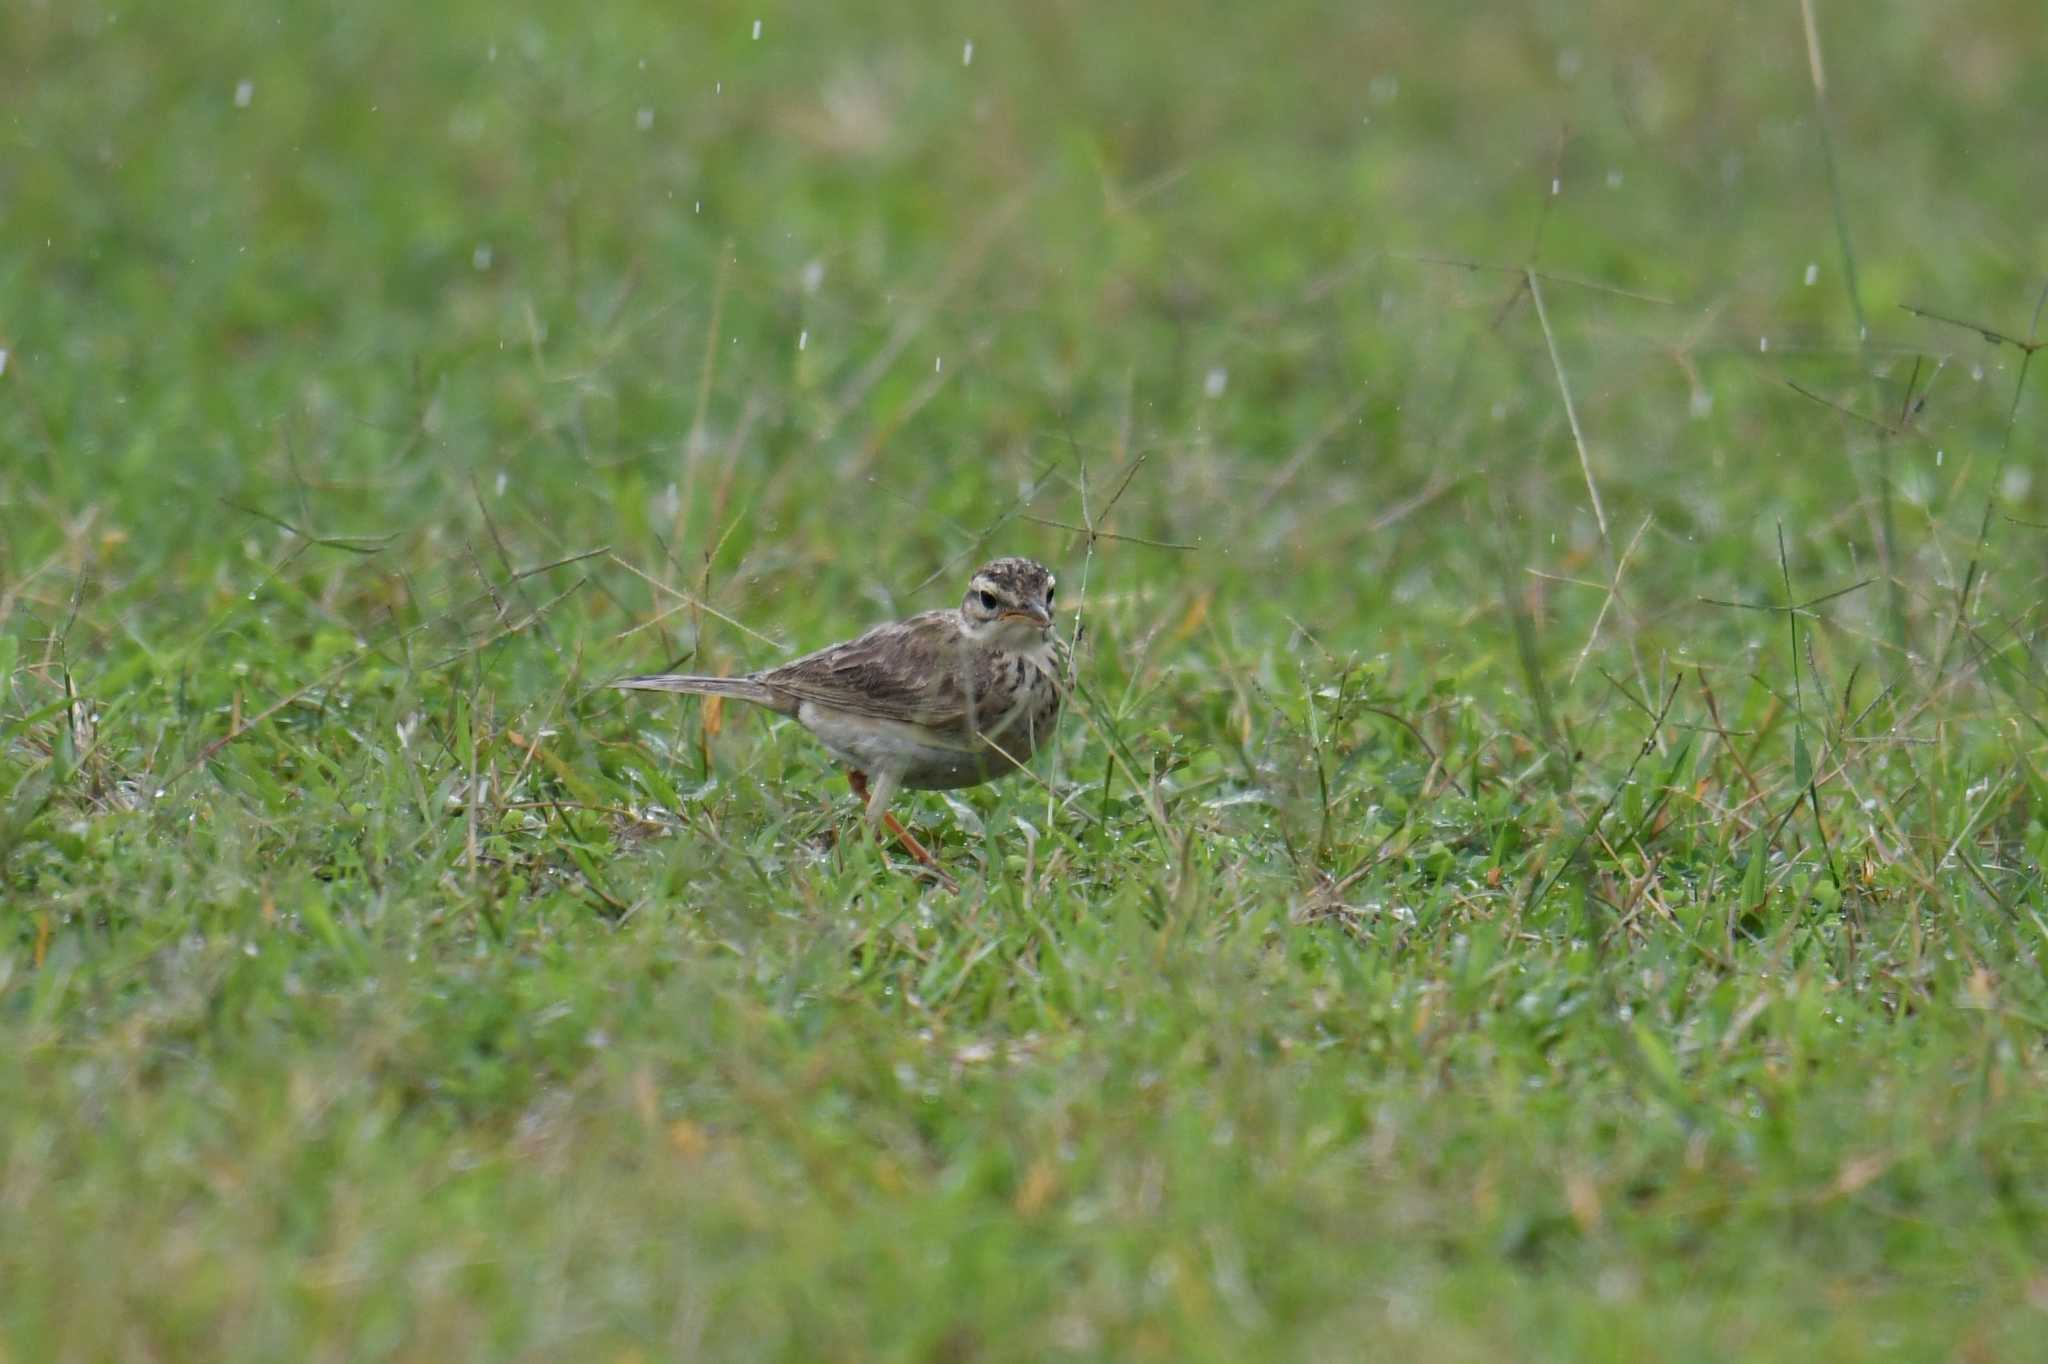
<point>921,757</point>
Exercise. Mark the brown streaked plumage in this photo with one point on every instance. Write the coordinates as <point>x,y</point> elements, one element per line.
<point>942,699</point>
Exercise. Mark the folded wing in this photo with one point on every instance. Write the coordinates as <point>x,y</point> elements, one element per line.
<point>914,670</point>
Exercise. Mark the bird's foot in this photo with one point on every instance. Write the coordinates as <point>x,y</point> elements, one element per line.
<point>859,782</point>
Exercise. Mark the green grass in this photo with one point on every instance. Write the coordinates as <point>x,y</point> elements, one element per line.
<point>1444,929</point>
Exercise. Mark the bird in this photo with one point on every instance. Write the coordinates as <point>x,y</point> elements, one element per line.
<point>939,700</point>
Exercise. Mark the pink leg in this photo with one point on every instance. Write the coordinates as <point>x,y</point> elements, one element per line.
<point>858,780</point>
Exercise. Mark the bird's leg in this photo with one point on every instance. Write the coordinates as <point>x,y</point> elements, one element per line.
<point>877,803</point>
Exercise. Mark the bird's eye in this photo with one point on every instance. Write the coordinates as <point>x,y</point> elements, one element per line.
<point>1048,594</point>
<point>988,601</point>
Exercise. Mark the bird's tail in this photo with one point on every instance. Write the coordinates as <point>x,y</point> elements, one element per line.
<point>743,688</point>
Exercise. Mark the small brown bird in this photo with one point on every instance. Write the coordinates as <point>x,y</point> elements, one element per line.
<point>942,699</point>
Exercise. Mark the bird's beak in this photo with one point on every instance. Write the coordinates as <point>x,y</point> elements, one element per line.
<point>1041,619</point>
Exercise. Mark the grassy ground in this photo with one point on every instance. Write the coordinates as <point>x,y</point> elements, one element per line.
<point>1464,916</point>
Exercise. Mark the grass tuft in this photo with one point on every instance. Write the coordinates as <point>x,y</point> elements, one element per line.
<point>1542,858</point>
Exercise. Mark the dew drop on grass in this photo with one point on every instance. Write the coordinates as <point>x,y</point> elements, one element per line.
<point>757,30</point>
<point>938,364</point>
<point>1763,343</point>
<point>967,53</point>
<point>1812,273</point>
<point>245,91</point>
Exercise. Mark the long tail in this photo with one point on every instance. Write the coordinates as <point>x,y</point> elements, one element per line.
<point>743,688</point>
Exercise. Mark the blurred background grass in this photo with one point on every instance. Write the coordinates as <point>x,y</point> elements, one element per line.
<point>373,987</point>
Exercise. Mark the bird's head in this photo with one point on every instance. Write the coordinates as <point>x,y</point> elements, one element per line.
<point>1010,597</point>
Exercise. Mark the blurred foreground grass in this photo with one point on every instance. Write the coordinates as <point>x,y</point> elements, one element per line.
<point>1466,917</point>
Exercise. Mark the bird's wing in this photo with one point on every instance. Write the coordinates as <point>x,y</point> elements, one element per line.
<point>912,670</point>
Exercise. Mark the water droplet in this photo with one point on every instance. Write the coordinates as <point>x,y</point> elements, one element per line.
<point>1812,272</point>
<point>757,30</point>
<point>1763,343</point>
<point>803,338</point>
<point>244,92</point>
<point>1556,186</point>
<point>967,53</point>
<point>938,363</point>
